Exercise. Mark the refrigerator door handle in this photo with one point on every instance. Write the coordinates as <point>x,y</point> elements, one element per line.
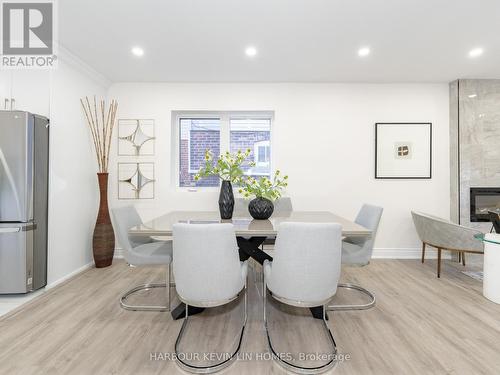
<point>10,230</point>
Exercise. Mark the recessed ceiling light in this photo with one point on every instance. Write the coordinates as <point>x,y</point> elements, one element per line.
<point>472,96</point>
<point>476,52</point>
<point>137,51</point>
<point>251,51</point>
<point>364,51</point>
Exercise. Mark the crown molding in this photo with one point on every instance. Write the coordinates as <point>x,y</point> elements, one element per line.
<point>74,61</point>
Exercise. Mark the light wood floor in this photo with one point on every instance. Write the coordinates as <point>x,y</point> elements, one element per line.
<point>421,325</point>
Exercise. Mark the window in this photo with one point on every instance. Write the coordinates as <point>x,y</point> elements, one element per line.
<point>262,153</point>
<point>220,132</point>
<point>196,136</point>
<point>253,134</point>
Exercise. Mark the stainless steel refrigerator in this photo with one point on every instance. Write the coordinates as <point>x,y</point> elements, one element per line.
<point>24,166</point>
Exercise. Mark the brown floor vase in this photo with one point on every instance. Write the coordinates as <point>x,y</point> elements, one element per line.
<point>103,242</point>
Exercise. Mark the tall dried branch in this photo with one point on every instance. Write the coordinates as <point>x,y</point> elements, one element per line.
<point>101,127</point>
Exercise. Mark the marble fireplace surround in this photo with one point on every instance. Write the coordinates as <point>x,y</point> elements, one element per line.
<point>474,143</point>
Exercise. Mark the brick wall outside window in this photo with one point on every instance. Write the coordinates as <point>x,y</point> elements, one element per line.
<point>242,140</point>
<point>200,141</point>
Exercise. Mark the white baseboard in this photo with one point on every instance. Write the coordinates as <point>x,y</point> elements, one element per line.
<point>378,253</point>
<point>70,275</point>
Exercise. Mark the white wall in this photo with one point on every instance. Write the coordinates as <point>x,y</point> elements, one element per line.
<point>73,190</point>
<point>323,137</point>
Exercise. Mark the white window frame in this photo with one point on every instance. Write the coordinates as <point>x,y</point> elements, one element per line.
<point>256,147</point>
<point>225,139</point>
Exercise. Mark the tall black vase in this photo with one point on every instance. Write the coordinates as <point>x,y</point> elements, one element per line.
<point>226,200</point>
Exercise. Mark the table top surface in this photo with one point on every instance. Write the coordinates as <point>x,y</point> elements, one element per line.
<point>488,237</point>
<point>244,225</point>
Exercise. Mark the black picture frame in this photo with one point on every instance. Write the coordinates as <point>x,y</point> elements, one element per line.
<point>403,177</point>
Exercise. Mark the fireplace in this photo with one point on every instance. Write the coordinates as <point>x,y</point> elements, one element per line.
<point>482,200</point>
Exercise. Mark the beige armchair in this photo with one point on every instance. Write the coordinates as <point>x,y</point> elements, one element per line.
<point>445,235</point>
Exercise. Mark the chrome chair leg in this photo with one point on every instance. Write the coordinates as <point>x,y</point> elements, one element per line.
<point>350,307</point>
<point>149,286</point>
<point>169,283</point>
<point>180,358</point>
<point>295,367</point>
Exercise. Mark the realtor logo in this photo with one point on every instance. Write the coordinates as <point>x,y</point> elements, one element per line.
<point>28,34</point>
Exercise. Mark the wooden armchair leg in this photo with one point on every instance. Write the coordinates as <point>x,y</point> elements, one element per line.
<point>439,263</point>
<point>423,251</point>
<point>459,256</point>
<point>463,259</point>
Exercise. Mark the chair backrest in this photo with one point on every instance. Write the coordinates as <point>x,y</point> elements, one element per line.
<point>306,265</point>
<point>369,217</point>
<point>284,204</point>
<point>125,218</point>
<point>443,233</point>
<point>206,264</point>
<point>495,220</point>
<point>241,206</point>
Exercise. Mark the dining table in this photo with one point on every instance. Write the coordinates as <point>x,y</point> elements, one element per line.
<point>245,225</point>
<point>250,233</point>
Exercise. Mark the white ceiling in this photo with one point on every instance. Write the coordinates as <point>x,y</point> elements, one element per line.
<point>297,40</point>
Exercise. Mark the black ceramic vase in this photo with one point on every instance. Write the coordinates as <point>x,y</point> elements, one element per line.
<point>261,208</point>
<point>226,200</point>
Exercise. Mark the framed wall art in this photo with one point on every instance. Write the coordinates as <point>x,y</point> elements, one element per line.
<point>136,181</point>
<point>403,150</point>
<point>136,137</point>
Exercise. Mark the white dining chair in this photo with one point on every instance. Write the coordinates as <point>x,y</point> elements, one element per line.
<point>357,252</point>
<point>241,206</point>
<point>208,273</point>
<point>139,251</point>
<point>304,273</point>
<point>283,205</point>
